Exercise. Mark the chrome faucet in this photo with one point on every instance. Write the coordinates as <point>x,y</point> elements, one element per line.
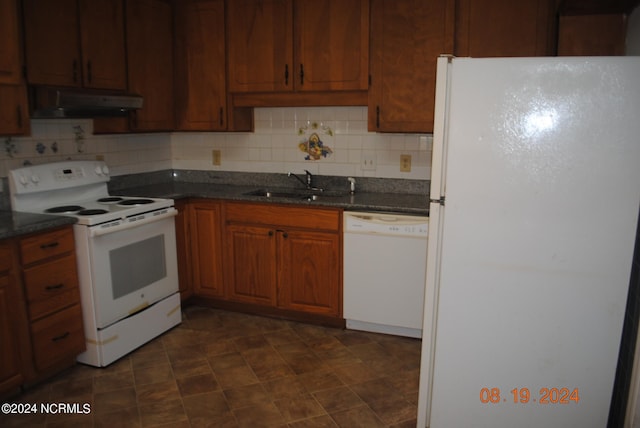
<point>309,180</point>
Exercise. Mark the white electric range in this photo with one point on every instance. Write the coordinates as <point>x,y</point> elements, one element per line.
<point>125,248</point>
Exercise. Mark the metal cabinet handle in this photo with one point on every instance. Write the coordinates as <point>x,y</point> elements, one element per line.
<point>89,74</point>
<point>62,336</point>
<point>286,74</point>
<point>49,245</point>
<point>54,287</point>
<point>19,116</point>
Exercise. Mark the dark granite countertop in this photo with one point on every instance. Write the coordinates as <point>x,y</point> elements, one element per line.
<point>372,194</point>
<point>385,195</point>
<point>13,223</point>
<point>414,204</point>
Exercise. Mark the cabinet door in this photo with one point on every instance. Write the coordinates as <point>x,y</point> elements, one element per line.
<point>486,28</point>
<point>260,46</point>
<point>251,264</point>
<point>183,249</point>
<point>577,35</point>
<point>150,62</point>
<point>10,370</point>
<point>51,42</point>
<point>407,36</point>
<point>14,111</point>
<point>331,45</point>
<point>102,43</point>
<point>200,91</point>
<point>309,272</point>
<point>10,58</point>
<point>56,32</point>
<point>206,248</point>
<point>10,367</point>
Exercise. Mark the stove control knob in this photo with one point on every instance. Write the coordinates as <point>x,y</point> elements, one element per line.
<point>23,180</point>
<point>98,170</point>
<point>35,179</point>
<point>105,170</point>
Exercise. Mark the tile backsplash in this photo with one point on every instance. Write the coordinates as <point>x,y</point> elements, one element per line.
<point>273,147</point>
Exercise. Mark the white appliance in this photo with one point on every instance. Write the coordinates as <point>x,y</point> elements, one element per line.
<point>384,272</point>
<point>535,192</point>
<point>125,248</point>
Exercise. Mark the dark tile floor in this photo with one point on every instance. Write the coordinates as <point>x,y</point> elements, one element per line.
<point>225,369</point>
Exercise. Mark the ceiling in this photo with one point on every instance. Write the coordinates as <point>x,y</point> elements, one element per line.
<point>588,7</point>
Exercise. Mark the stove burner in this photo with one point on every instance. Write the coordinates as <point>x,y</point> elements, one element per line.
<point>135,202</point>
<point>110,199</point>
<point>64,209</point>
<point>92,212</point>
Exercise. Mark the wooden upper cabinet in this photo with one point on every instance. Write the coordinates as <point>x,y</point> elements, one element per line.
<point>505,28</point>
<point>301,45</point>
<point>75,43</point>
<point>331,45</point>
<point>14,119</point>
<point>407,36</point>
<point>260,45</point>
<point>150,62</point>
<point>200,91</point>
<point>598,35</point>
<point>14,110</point>
<point>10,58</point>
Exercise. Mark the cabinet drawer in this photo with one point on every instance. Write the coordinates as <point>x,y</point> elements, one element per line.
<point>284,216</point>
<point>5,257</point>
<point>51,286</point>
<point>58,337</point>
<point>44,245</point>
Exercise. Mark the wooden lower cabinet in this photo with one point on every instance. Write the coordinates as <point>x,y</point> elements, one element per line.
<point>269,259</point>
<point>57,338</point>
<point>250,261</point>
<point>183,249</point>
<point>286,259</point>
<point>205,235</point>
<point>11,323</point>
<point>50,281</point>
<point>41,327</point>
<point>309,272</point>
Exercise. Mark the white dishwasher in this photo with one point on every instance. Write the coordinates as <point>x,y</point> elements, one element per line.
<point>385,257</point>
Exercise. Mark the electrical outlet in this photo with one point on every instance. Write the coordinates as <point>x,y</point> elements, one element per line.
<point>405,163</point>
<point>216,157</point>
<point>368,162</point>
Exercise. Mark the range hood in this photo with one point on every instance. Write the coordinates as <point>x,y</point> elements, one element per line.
<point>51,102</point>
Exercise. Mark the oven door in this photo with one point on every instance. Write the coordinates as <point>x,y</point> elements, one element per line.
<point>133,266</point>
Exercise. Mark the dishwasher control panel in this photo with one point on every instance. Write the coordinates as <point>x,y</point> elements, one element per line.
<point>386,224</point>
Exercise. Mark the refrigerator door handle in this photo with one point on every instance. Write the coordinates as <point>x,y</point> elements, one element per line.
<point>438,201</point>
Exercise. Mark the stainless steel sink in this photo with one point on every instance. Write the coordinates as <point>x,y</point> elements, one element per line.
<point>285,194</point>
<point>300,194</point>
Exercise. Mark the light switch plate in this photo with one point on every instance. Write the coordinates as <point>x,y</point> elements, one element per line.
<point>216,157</point>
<point>405,163</point>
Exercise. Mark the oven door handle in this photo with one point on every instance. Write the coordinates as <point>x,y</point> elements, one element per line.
<point>170,212</point>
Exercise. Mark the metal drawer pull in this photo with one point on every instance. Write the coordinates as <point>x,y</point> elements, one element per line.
<point>62,336</point>
<point>54,287</point>
<point>50,245</point>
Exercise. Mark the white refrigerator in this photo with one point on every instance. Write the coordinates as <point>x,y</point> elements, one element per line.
<point>535,192</point>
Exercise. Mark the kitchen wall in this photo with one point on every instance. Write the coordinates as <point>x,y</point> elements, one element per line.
<point>273,147</point>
